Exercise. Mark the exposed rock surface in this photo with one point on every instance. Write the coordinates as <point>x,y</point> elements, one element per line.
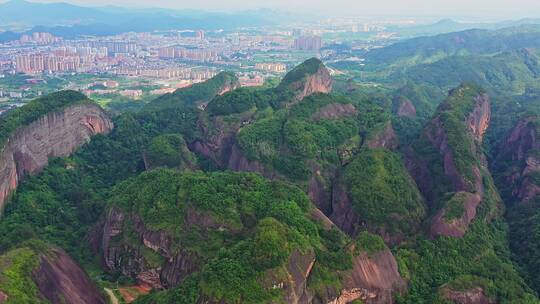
<point>60,280</point>
<point>299,268</point>
<point>520,151</point>
<point>386,138</point>
<point>130,259</point>
<point>471,296</point>
<point>218,143</point>
<point>374,279</point>
<point>237,161</point>
<point>229,85</point>
<point>56,134</point>
<point>343,214</point>
<point>478,120</point>
<point>304,81</point>
<point>335,111</point>
<point>458,226</point>
<point>436,134</point>
<point>405,108</point>
<point>472,183</point>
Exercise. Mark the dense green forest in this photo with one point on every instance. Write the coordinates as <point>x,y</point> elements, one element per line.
<point>365,176</point>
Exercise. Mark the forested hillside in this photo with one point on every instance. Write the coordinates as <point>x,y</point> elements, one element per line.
<point>420,189</point>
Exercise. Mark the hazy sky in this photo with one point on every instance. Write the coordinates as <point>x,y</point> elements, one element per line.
<point>480,8</point>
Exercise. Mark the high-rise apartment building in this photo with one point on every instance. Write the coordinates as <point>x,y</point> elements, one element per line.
<point>308,43</point>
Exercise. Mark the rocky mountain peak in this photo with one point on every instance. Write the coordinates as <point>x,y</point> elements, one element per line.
<point>308,78</point>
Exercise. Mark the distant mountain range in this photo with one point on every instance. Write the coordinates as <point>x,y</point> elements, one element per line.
<point>450,25</point>
<point>69,20</point>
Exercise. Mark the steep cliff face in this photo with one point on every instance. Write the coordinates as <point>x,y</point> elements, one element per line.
<point>308,78</point>
<point>374,279</point>
<point>519,161</point>
<point>343,214</point>
<point>218,143</point>
<point>150,260</point>
<point>478,120</point>
<point>60,279</point>
<point>517,171</point>
<point>403,107</point>
<point>385,138</point>
<point>49,275</point>
<point>55,134</point>
<point>375,192</point>
<point>238,162</point>
<point>298,268</point>
<point>456,225</point>
<point>453,162</point>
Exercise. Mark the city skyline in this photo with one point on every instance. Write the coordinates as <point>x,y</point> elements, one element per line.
<point>481,9</point>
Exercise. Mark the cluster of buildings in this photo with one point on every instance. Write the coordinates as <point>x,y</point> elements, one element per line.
<point>161,57</point>
<point>33,64</point>
<point>167,73</point>
<point>39,38</point>
<point>204,55</point>
<point>168,54</point>
<point>308,43</point>
<point>81,58</point>
<point>271,67</point>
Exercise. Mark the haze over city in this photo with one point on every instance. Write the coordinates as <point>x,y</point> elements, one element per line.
<point>478,9</point>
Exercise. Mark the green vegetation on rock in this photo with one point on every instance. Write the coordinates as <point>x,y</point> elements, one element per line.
<point>308,67</point>
<point>199,92</point>
<point>369,243</point>
<point>382,192</point>
<point>272,219</point>
<point>170,150</point>
<point>16,282</point>
<point>35,109</point>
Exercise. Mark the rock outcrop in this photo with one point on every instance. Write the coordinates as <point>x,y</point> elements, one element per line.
<point>299,268</point>
<point>386,138</point>
<point>55,134</point>
<point>519,160</point>
<point>343,214</point>
<point>60,280</point>
<point>474,295</point>
<point>308,78</point>
<point>335,111</point>
<point>478,120</point>
<point>456,227</point>
<point>130,259</point>
<point>49,275</point>
<point>374,279</point>
<point>455,137</point>
<point>218,143</point>
<point>403,107</point>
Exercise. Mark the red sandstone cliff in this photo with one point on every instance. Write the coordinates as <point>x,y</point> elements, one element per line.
<point>385,138</point>
<point>520,152</point>
<point>61,281</point>
<point>56,134</point>
<point>404,108</point>
<point>55,277</point>
<point>130,260</point>
<point>476,123</point>
<point>318,81</point>
<point>374,279</point>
